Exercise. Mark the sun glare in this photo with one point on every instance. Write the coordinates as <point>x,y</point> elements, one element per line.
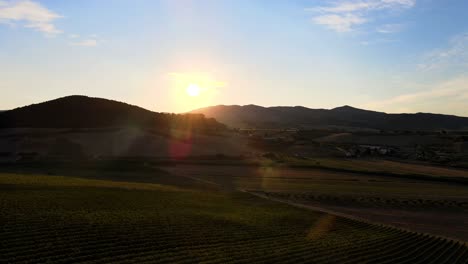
<point>193,90</point>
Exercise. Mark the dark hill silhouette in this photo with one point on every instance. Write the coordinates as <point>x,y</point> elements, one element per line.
<point>87,112</point>
<point>345,116</point>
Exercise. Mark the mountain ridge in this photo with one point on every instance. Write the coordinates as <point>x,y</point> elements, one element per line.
<point>77,111</point>
<point>343,116</point>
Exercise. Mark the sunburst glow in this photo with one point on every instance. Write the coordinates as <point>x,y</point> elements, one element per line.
<point>193,90</point>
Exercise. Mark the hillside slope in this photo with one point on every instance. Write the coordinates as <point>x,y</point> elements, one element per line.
<point>345,116</point>
<point>80,126</point>
<point>87,112</point>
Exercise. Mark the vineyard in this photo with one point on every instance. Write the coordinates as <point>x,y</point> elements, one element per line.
<point>374,201</point>
<point>63,219</point>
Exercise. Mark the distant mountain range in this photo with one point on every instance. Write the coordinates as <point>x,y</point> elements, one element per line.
<point>86,112</point>
<point>340,117</point>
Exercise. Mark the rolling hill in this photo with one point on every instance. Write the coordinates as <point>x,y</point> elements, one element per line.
<point>340,117</point>
<point>79,126</point>
<point>87,112</point>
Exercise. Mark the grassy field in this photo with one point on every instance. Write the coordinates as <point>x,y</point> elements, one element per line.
<point>63,219</point>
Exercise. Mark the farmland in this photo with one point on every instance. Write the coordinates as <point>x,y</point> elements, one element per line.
<point>439,208</point>
<point>62,219</point>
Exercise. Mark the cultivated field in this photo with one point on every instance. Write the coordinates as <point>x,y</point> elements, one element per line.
<point>434,207</point>
<point>64,219</point>
<point>386,166</point>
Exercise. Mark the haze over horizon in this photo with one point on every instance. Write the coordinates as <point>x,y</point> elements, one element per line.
<point>175,56</point>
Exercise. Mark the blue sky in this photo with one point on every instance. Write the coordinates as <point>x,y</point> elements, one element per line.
<point>385,55</point>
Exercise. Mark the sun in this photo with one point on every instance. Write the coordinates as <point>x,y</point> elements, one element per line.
<point>193,90</point>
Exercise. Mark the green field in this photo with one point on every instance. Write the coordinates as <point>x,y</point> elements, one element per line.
<point>63,219</point>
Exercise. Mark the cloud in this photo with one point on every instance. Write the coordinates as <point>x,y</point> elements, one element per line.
<point>85,43</point>
<point>89,41</point>
<point>389,28</point>
<point>378,41</point>
<point>340,23</point>
<point>31,14</point>
<point>343,16</point>
<point>447,96</point>
<point>347,7</point>
<point>455,54</point>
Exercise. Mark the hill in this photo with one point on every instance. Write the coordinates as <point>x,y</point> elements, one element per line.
<point>87,112</point>
<point>340,117</point>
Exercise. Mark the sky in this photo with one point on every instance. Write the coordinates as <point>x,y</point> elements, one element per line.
<point>176,56</point>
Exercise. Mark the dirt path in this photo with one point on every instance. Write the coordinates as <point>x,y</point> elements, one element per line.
<point>314,208</point>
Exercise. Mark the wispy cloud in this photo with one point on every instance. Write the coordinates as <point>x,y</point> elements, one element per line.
<point>89,41</point>
<point>448,95</point>
<point>30,14</point>
<point>85,43</point>
<point>346,7</point>
<point>378,41</point>
<point>389,28</point>
<point>340,23</point>
<point>343,16</point>
<point>454,55</point>
<point>452,94</point>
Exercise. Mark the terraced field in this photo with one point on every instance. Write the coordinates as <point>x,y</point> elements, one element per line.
<point>62,220</point>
